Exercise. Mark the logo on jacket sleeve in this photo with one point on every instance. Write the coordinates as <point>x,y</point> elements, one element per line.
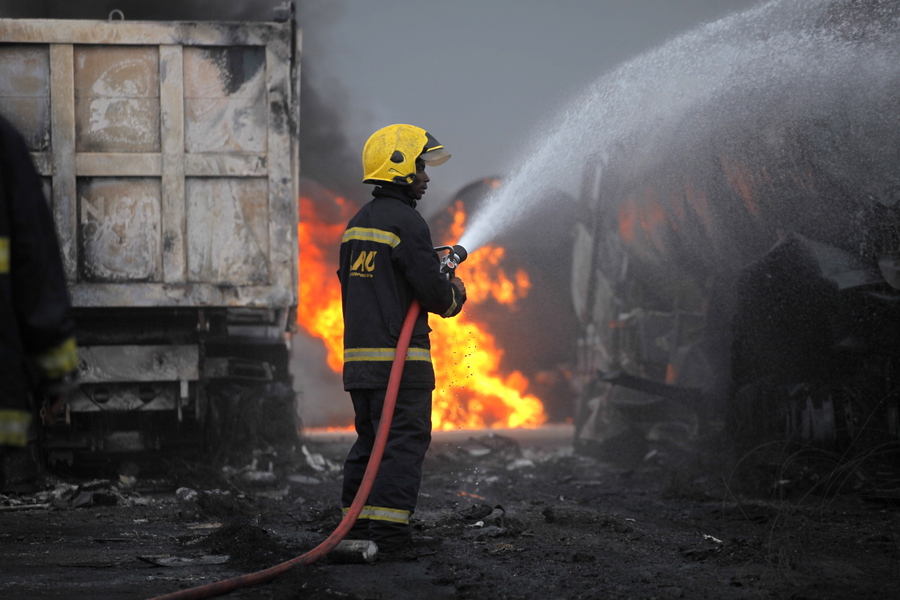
<point>364,264</point>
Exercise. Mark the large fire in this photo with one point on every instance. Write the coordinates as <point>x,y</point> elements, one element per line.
<point>471,392</point>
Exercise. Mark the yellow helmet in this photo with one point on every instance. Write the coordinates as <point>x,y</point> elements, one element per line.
<point>390,154</point>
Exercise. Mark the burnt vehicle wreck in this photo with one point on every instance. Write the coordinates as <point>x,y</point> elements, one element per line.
<point>738,265</point>
<point>168,155</point>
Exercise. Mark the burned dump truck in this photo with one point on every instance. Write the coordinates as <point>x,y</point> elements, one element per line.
<point>168,156</point>
<point>743,269</point>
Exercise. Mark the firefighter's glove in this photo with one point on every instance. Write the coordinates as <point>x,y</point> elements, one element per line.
<point>459,286</point>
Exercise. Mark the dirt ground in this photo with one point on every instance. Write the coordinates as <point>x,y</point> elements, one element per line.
<point>503,515</point>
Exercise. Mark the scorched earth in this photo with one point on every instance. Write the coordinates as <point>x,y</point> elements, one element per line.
<point>508,514</point>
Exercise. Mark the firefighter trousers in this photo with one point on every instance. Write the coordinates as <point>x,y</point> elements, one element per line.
<point>392,500</point>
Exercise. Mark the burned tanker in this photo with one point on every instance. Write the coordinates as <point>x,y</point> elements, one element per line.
<point>738,258</point>
<point>168,156</point>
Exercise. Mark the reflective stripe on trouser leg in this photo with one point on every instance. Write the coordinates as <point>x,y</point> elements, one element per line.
<point>380,513</point>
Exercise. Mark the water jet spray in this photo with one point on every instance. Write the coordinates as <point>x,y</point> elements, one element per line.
<point>757,74</point>
<point>757,149</point>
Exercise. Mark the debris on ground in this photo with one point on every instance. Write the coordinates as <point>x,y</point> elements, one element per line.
<point>564,526</point>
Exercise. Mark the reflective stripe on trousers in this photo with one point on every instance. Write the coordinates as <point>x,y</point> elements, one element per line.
<point>380,513</point>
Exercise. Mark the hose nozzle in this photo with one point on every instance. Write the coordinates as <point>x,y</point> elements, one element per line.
<point>455,255</point>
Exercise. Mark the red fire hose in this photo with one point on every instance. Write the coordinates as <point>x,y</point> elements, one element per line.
<point>387,414</point>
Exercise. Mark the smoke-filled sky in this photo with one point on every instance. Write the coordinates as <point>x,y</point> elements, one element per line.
<point>481,75</point>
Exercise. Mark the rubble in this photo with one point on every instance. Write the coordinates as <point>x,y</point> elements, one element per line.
<point>567,527</point>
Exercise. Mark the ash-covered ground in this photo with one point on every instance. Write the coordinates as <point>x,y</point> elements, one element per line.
<point>504,515</point>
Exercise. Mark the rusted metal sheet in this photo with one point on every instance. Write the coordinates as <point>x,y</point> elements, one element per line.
<point>169,153</point>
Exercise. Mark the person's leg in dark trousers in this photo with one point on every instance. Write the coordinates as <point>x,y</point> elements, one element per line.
<point>395,493</point>
<point>358,458</point>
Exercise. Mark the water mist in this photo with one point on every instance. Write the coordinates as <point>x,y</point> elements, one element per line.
<point>834,65</point>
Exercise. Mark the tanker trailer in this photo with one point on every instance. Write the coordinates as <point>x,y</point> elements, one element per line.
<point>167,153</point>
<point>742,267</point>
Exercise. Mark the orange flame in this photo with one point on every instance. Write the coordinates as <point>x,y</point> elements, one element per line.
<point>320,292</point>
<point>471,392</point>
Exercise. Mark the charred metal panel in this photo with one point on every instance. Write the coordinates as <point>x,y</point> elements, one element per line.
<point>170,152</point>
<point>138,363</point>
<point>282,216</point>
<point>230,165</point>
<point>172,122</point>
<point>235,368</point>
<point>25,92</point>
<point>228,239</point>
<point>225,100</point>
<point>119,229</point>
<point>110,164</point>
<point>62,128</point>
<point>116,99</point>
<point>140,32</point>
<point>121,399</point>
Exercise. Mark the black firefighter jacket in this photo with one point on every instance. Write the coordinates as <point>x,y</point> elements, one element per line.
<point>387,258</point>
<point>36,333</point>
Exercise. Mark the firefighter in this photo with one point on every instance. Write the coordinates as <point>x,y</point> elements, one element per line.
<point>387,259</point>
<point>37,341</point>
